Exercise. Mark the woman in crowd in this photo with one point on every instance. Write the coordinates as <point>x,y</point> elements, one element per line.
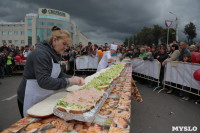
<point>92,51</point>
<point>42,74</point>
<point>173,56</point>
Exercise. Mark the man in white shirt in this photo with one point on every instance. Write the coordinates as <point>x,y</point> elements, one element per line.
<point>106,59</point>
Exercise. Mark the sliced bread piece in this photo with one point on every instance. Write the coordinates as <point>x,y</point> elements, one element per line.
<point>45,107</point>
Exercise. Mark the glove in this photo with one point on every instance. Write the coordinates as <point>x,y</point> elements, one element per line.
<point>76,81</point>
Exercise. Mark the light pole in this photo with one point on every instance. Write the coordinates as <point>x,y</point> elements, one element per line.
<point>176,26</point>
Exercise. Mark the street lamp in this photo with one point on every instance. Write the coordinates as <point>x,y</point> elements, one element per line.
<point>176,25</point>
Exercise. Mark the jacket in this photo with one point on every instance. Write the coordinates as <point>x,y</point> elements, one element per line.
<point>39,66</point>
<point>173,56</point>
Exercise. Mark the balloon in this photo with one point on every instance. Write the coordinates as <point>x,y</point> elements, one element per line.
<point>195,57</point>
<point>197,75</point>
<point>17,58</point>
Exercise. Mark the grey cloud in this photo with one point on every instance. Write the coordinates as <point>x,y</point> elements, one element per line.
<point>110,20</point>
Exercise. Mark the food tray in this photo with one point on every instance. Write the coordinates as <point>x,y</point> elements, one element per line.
<point>87,116</point>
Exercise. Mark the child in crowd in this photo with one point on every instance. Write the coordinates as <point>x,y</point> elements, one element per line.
<point>142,53</point>
<point>149,57</point>
<point>9,63</point>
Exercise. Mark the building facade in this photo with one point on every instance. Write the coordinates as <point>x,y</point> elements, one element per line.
<point>37,27</point>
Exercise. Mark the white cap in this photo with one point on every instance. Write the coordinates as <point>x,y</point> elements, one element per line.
<point>113,46</point>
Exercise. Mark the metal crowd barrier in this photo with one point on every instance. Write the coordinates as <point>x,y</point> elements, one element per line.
<point>179,75</point>
<point>149,70</point>
<point>78,65</point>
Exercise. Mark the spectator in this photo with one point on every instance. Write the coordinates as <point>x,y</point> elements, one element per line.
<point>142,53</point>
<point>81,46</point>
<point>184,50</point>
<point>4,47</point>
<point>9,63</point>
<point>130,54</point>
<point>72,55</point>
<point>161,57</point>
<point>99,54</point>
<point>135,53</point>
<point>149,57</point>
<point>197,48</point>
<point>85,52</point>
<point>2,65</point>
<point>22,55</point>
<point>17,49</point>
<point>192,48</point>
<point>25,52</point>
<point>92,52</point>
<point>174,54</point>
<point>77,52</point>
<point>185,95</point>
<point>12,49</point>
<point>123,54</point>
<point>31,48</point>
<point>153,51</point>
<point>22,48</point>
<point>88,46</point>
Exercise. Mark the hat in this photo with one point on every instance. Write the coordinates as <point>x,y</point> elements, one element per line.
<point>114,47</point>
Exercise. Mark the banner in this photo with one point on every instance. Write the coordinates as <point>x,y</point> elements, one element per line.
<point>148,68</point>
<point>86,62</point>
<point>182,73</point>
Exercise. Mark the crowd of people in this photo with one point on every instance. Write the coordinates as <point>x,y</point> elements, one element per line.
<point>182,51</point>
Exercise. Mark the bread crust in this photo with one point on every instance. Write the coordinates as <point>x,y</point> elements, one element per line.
<point>40,116</point>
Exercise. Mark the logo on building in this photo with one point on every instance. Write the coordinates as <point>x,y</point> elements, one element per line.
<point>44,11</point>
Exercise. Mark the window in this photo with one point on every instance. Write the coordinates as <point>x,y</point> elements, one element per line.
<point>66,26</point>
<point>29,36</point>
<point>48,33</point>
<point>16,41</point>
<point>50,24</point>
<point>22,32</point>
<point>22,42</point>
<point>29,22</point>
<point>40,34</point>
<point>9,32</point>
<point>40,23</point>
<point>59,25</point>
<point>16,32</point>
<point>3,33</point>
<point>3,41</point>
<point>9,41</point>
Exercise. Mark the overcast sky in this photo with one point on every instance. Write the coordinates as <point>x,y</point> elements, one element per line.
<point>110,20</point>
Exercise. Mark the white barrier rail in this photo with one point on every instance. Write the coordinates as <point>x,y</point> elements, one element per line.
<point>179,75</point>
<point>149,70</point>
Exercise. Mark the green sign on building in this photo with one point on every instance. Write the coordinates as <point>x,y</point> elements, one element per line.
<point>55,12</point>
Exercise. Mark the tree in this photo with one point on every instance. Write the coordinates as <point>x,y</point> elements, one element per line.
<point>126,41</point>
<point>190,31</point>
<point>157,32</point>
<point>145,36</point>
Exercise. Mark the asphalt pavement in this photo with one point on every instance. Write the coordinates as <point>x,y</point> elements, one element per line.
<point>157,114</point>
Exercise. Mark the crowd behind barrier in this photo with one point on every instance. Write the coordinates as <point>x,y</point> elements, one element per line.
<point>85,58</point>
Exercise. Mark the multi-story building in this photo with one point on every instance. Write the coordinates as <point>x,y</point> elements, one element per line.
<point>37,27</point>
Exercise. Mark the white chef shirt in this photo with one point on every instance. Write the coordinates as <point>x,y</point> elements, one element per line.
<point>104,61</point>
